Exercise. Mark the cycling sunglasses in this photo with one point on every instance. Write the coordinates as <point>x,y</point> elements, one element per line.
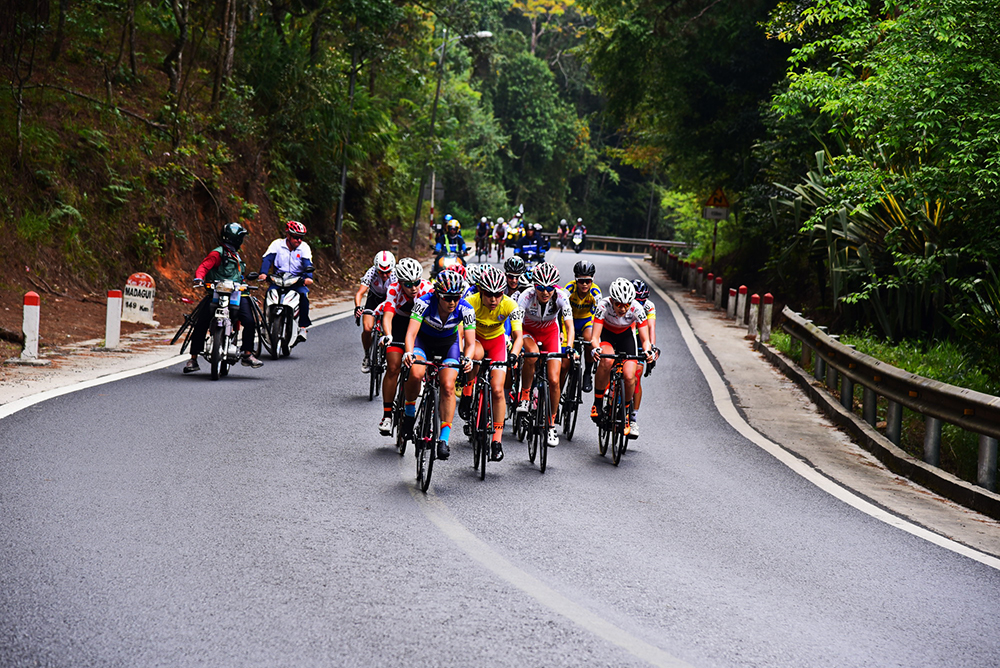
<point>449,298</point>
<point>584,281</point>
<point>545,288</point>
<point>410,284</point>
<point>297,236</point>
<point>493,295</point>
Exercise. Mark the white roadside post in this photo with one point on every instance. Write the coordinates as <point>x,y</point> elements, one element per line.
<point>754,317</point>
<point>731,304</point>
<point>113,322</point>
<point>32,317</point>
<point>741,307</point>
<point>766,315</point>
<point>718,292</point>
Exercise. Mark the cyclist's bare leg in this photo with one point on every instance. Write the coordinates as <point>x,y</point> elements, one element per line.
<point>629,370</point>
<point>553,368</point>
<point>412,388</point>
<point>497,381</point>
<point>393,362</point>
<point>528,366</point>
<point>603,370</point>
<point>367,323</point>
<point>447,378</point>
<point>637,395</point>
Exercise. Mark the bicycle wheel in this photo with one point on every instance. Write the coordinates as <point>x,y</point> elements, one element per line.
<point>604,425</point>
<point>216,360</point>
<point>542,433</point>
<point>569,406</point>
<point>475,436</point>
<point>424,445</point>
<point>373,379</point>
<point>485,430</point>
<point>620,419</point>
<point>398,407</point>
<point>532,419</point>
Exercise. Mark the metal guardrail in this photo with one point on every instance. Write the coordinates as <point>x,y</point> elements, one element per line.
<point>938,402</point>
<point>632,243</point>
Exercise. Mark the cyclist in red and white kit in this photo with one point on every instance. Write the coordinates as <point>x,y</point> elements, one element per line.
<point>375,284</point>
<point>544,303</point>
<point>614,318</point>
<point>395,314</point>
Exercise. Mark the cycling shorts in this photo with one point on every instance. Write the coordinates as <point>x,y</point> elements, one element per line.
<point>400,323</point>
<point>372,301</point>
<point>429,347</point>
<point>622,342</point>
<point>580,323</point>
<point>495,348</point>
<point>546,336</point>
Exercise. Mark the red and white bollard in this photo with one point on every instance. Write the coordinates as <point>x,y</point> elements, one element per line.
<point>32,317</point>
<point>709,286</point>
<point>718,292</point>
<point>113,322</point>
<point>731,304</point>
<point>766,313</point>
<point>741,307</point>
<point>754,317</point>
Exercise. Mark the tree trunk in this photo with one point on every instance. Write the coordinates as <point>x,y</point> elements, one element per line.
<point>59,41</point>
<point>222,57</point>
<point>338,241</point>
<point>172,61</point>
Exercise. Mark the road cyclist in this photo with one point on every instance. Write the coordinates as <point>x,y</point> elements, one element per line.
<point>618,319</point>
<point>442,326</point>
<point>642,296</point>
<point>544,303</point>
<point>500,238</point>
<point>493,309</point>
<point>584,295</point>
<point>564,232</point>
<point>395,313</point>
<point>373,290</point>
<point>484,232</point>
<point>514,269</point>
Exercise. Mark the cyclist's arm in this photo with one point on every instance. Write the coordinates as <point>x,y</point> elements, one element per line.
<point>387,321</point>
<point>644,337</point>
<point>470,342</point>
<point>595,334</point>
<point>570,328</point>
<point>359,298</point>
<point>411,335</point>
<point>651,325</point>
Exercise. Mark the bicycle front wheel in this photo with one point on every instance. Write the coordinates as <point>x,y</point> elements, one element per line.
<point>424,442</point>
<point>604,423</point>
<point>485,430</point>
<point>619,422</point>
<point>542,433</point>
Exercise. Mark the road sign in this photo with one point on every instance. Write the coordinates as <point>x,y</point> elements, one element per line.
<point>140,290</point>
<point>717,200</point>
<point>715,213</point>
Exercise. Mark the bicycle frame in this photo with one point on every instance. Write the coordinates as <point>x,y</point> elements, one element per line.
<point>613,419</point>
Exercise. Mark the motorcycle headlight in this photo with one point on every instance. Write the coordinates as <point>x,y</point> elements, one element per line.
<point>225,286</point>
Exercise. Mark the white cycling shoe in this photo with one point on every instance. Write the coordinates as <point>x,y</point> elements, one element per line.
<point>553,439</point>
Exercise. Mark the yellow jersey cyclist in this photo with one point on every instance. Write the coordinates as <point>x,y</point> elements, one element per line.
<point>583,297</point>
<point>617,320</point>
<point>494,310</point>
<point>642,296</point>
<point>544,303</point>
<point>395,314</point>
<point>443,325</point>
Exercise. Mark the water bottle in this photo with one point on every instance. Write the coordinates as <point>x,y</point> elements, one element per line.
<point>534,398</point>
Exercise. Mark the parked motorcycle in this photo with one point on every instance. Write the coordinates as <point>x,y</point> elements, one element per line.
<point>281,312</point>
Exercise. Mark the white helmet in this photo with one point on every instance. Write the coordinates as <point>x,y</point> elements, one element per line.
<point>500,220</point>
<point>385,261</point>
<point>473,272</point>
<point>409,270</point>
<point>622,291</point>
<point>483,219</point>
<point>546,274</point>
<point>491,279</point>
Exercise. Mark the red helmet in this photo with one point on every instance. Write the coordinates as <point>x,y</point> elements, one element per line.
<point>295,228</point>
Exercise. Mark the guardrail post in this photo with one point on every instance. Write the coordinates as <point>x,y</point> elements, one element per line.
<point>869,410</point>
<point>894,422</point>
<point>710,287</point>
<point>806,355</point>
<point>30,325</point>
<point>766,315</point>
<point>986,474</point>
<point>741,307</point>
<point>831,377</point>
<point>932,440</point>
<point>754,317</point>
<point>718,292</point>
<point>113,320</point>
<point>847,390</point>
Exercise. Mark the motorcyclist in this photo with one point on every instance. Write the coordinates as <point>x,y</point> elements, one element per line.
<point>582,229</point>
<point>532,246</point>
<point>451,241</point>
<point>292,255</point>
<point>224,263</point>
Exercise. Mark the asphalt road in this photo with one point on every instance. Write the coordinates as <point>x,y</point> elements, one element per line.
<point>165,520</point>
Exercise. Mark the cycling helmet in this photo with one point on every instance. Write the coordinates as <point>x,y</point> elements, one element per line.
<point>622,291</point>
<point>409,270</point>
<point>545,274</point>
<point>524,280</point>
<point>500,220</point>
<point>473,272</point>
<point>448,282</point>
<point>579,220</point>
<point>459,269</point>
<point>233,234</point>
<point>641,291</point>
<point>514,265</point>
<point>584,268</point>
<point>563,222</point>
<point>447,217</point>
<point>538,227</point>
<point>483,219</point>
<point>492,279</point>
<point>384,261</point>
<point>295,228</point>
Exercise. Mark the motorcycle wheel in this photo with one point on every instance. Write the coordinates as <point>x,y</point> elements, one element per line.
<point>275,338</point>
<point>286,334</point>
<point>217,353</point>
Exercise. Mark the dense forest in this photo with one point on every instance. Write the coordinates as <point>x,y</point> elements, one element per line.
<point>858,142</point>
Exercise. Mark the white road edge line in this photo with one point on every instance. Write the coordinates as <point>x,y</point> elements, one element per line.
<point>726,408</point>
<point>439,514</point>
<point>25,402</point>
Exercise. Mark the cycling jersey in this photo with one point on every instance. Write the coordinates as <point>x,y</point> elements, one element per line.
<point>377,285</point>
<point>605,314</point>
<point>280,257</point>
<point>432,323</point>
<point>583,306</point>
<point>650,310</point>
<point>490,324</point>
<point>536,313</point>
<point>397,302</point>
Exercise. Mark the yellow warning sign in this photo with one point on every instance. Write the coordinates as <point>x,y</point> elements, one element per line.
<point>718,200</point>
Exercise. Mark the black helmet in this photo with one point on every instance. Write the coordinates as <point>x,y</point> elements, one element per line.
<point>514,265</point>
<point>641,291</point>
<point>584,268</point>
<point>233,234</point>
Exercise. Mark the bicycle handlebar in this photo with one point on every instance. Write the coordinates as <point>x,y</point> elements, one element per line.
<point>624,358</point>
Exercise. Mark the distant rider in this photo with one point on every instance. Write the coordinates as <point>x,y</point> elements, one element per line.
<point>221,264</point>
<point>532,246</point>
<point>292,255</point>
<point>451,242</point>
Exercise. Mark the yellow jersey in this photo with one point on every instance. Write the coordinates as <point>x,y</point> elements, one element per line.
<point>489,324</point>
<point>583,306</point>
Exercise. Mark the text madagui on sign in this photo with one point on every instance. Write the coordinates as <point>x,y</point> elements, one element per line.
<point>137,305</point>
